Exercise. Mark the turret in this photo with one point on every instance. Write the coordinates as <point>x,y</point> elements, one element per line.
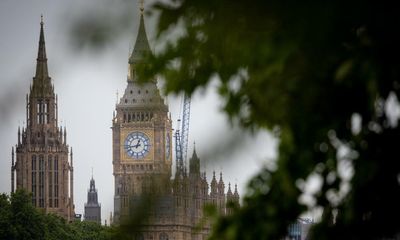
<point>19,136</point>
<point>65,135</point>
<point>221,195</point>
<point>214,185</point>
<point>204,186</point>
<point>236,195</point>
<point>229,194</point>
<point>61,134</point>
<point>27,108</point>
<point>71,179</point>
<point>194,164</point>
<point>12,169</point>
<point>221,185</point>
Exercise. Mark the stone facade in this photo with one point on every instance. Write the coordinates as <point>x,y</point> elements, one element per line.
<point>43,164</point>
<point>92,207</point>
<point>142,160</point>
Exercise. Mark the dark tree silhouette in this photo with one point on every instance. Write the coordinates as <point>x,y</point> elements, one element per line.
<point>320,75</point>
<point>19,219</point>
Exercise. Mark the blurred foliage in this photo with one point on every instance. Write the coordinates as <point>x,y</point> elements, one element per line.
<point>304,70</point>
<point>20,220</point>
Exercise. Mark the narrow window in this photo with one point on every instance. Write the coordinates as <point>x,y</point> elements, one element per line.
<point>41,181</point>
<point>50,179</point>
<point>56,181</point>
<point>34,180</point>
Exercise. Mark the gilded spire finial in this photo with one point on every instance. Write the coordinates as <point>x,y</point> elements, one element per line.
<point>141,6</point>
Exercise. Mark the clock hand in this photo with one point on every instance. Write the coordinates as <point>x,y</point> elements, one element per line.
<point>138,144</point>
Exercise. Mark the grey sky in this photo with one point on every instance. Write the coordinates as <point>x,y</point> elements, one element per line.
<point>87,81</point>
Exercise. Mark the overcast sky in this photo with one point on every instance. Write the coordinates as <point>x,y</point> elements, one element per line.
<point>87,80</point>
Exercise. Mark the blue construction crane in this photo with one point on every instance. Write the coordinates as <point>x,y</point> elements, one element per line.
<point>182,137</point>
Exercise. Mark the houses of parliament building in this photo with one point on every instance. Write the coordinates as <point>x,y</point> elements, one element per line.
<point>141,157</point>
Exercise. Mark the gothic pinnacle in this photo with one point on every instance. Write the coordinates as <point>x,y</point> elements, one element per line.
<point>41,67</point>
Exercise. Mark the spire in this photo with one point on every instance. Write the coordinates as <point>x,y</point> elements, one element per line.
<point>229,194</point>
<point>65,135</point>
<point>42,79</point>
<point>221,185</point>
<point>12,169</point>
<point>194,151</point>
<point>194,163</point>
<point>92,185</point>
<point>72,159</point>
<point>214,179</point>
<point>142,46</point>
<point>19,136</point>
<point>214,184</point>
<point>236,194</point>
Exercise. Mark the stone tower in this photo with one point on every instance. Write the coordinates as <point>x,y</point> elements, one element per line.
<point>92,207</point>
<point>141,127</point>
<point>141,130</point>
<point>42,165</point>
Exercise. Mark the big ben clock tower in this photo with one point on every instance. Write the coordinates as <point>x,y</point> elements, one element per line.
<point>141,131</point>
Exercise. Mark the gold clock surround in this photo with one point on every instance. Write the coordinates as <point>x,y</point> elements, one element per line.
<point>125,157</point>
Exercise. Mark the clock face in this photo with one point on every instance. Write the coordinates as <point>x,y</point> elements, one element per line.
<point>167,146</point>
<point>137,145</point>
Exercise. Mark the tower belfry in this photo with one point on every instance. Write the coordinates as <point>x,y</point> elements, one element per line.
<point>42,164</point>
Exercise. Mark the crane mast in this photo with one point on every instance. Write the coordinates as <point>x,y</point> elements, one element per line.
<point>185,126</point>
<point>178,154</point>
<point>182,136</point>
